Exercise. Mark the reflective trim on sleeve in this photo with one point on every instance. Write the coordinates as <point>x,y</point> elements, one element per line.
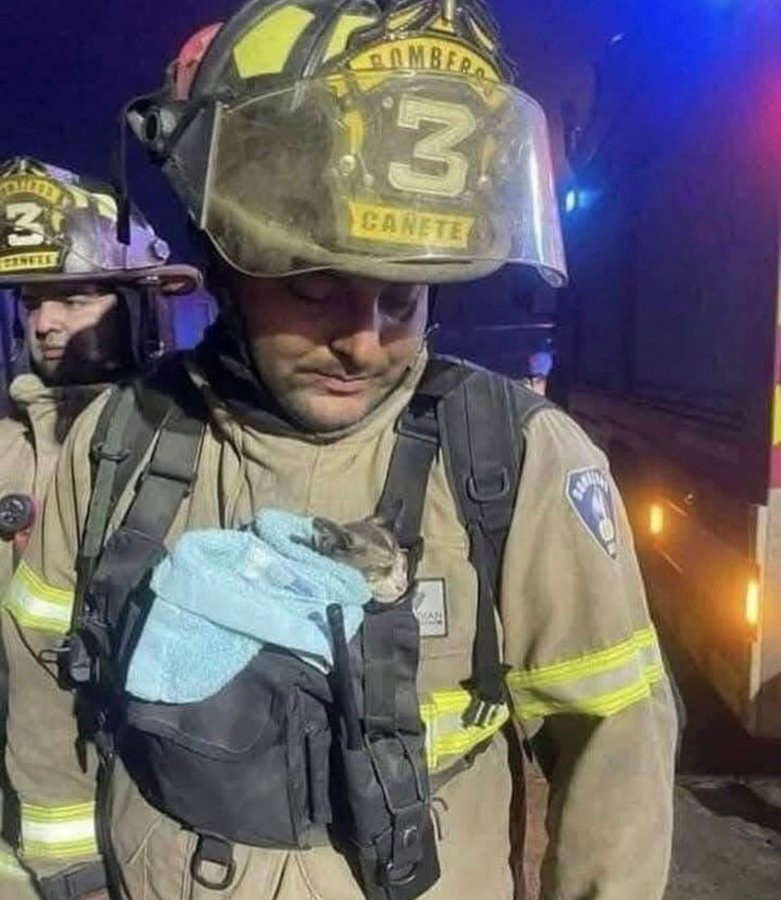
<point>35,604</point>
<point>11,869</point>
<point>446,735</point>
<point>601,683</point>
<point>59,832</point>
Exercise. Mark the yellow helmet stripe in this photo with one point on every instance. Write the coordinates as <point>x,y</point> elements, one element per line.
<point>265,49</point>
<point>344,28</point>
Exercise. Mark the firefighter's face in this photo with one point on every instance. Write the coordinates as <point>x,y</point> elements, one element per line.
<point>331,348</point>
<point>73,333</point>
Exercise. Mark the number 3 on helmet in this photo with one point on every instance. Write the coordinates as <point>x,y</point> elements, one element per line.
<point>386,142</point>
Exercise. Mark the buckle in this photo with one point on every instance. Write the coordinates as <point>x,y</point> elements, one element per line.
<point>98,452</point>
<point>483,493</point>
<point>218,852</point>
<point>489,696</point>
<point>155,470</point>
<point>481,713</point>
<point>391,880</point>
<point>419,421</point>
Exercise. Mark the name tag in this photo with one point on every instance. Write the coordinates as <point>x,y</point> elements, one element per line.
<point>430,607</point>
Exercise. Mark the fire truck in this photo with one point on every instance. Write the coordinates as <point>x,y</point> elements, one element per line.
<point>670,332</point>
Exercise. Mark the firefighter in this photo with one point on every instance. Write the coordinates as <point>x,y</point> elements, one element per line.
<point>82,294</point>
<point>338,158</point>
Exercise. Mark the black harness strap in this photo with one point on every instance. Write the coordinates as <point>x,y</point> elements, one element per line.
<point>476,418</point>
<point>107,451</point>
<point>124,432</point>
<point>387,706</point>
<point>74,883</point>
<point>135,547</point>
<point>417,444</point>
<point>401,505</point>
<point>166,406</point>
<point>481,426</point>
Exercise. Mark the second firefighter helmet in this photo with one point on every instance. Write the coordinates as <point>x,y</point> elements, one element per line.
<point>60,227</point>
<point>377,139</point>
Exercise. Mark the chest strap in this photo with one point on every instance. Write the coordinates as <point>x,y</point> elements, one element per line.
<point>475,419</point>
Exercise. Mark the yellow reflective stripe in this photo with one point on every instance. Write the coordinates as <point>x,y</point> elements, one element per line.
<point>588,664</point>
<point>36,604</point>
<point>604,705</point>
<point>601,683</point>
<point>446,734</point>
<point>10,867</point>
<point>59,832</point>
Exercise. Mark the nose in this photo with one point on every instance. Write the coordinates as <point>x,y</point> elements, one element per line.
<point>356,336</point>
<point>49,317</point>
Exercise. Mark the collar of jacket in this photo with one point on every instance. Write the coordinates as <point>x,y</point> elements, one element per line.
<point>50,409</point>
<point>222,371</point>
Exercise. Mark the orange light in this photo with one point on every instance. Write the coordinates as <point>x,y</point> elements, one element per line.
<point>656,519</point>
<point>751,609</point>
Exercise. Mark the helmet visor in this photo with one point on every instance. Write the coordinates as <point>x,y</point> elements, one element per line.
<point>395,175</point>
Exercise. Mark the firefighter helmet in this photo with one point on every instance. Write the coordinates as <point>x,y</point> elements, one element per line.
<point>56,226</point>
<point>380,139</point>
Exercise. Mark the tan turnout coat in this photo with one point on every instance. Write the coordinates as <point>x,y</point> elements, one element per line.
<point>31,438</point>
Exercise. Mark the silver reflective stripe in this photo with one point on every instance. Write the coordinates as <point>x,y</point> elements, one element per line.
<point>36,604</point>
<point>59,832</point>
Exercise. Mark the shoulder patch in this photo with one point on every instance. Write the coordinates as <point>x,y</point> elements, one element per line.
<point>588,491</point>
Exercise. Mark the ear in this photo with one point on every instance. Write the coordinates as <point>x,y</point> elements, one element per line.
<point>389,518</point>
<point>329,538</point>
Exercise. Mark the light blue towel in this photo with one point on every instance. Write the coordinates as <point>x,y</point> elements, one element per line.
<point>222,594</point>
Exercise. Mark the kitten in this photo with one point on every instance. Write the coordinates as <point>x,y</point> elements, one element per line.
<point>369,546</point>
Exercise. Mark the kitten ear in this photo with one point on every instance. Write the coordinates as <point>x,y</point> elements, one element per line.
<point>389,518</point>
<point>329,538</point>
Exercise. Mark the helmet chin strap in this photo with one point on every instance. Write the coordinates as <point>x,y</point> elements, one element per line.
<point>138,306</point>
<point>119,176</point>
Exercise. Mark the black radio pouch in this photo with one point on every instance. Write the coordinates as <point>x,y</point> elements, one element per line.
<point>381,752</point>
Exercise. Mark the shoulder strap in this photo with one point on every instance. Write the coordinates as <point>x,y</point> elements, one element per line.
<point>417,443</point>
<point>107,453</point>
<point>477,418</point>
<point>481,426</point>
<point>165,410</point>
<point>124,432</point>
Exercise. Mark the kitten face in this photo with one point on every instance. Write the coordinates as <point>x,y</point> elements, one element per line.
<point>370,547</point>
